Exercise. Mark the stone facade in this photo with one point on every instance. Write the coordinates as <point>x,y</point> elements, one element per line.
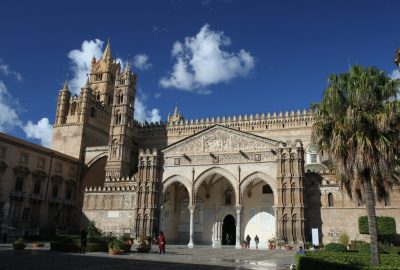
<point>202,181</point>
<point>38,188</point>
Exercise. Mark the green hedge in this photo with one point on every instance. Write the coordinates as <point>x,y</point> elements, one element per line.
<point>74,245</point>
<point>386,225</point>
<point>335,247</point>
<point>346,261</point>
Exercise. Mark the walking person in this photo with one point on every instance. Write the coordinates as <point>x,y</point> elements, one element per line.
<point>83,241</point>
<point>248,239</point>
<point>161,243</point>
<point>256,240</point>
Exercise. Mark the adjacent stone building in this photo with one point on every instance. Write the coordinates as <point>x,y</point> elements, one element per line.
<point>38,188</point>
<point>202,181</point>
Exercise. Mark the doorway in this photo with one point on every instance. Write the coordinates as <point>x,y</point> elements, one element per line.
<point>229,231</point>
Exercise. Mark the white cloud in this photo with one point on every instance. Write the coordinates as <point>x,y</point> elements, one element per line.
<point>81,60</point>
<point>395,74</point>
<point>143,114</point>
<point>42,131</point>
<point>6,71</point>
<point>201,62</point>
<point>157,95</point>
<point>141,61</point>
<point>9,118</point>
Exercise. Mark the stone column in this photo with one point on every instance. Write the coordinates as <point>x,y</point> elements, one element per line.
<point>276,221</point>
<point>238,226</point>
<point>191,209</point>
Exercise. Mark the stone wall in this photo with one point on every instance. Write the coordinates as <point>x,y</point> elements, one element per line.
<point>111,211</point>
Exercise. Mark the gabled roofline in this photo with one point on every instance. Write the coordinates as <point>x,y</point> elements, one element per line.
<point>211,127</point>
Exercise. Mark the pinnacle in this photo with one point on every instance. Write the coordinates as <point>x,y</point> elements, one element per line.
<point>65,87</point>
<point>127,67</point>
<point>107,51</point>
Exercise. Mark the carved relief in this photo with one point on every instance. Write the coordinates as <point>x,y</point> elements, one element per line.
<point>220,139</point>
<point>222,159</point>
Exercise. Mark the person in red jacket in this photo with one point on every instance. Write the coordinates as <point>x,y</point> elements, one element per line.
<point>161,242</point>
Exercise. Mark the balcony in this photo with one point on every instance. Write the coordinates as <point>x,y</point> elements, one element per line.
<point>17,195</point>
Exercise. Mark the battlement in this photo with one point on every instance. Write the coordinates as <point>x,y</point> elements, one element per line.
<point>114,184</point>
<point>148,152</point>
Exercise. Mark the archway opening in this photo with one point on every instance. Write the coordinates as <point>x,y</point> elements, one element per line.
<point>215,200</point>
<point>175,213</point>
<point>229,231</point>
<point>258,214</point>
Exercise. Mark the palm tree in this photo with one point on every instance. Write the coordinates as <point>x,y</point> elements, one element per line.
<point>357,125</point>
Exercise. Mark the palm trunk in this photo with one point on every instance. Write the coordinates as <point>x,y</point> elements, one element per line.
<point>372,224</point>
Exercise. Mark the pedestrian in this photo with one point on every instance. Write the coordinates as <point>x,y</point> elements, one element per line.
<point>83,241</point>
<point>161,243</point>
<point>301,250</point>
<point>227,239</point>
<point>248,239</point>
<point>256,240</point>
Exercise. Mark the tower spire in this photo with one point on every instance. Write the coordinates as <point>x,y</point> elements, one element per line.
<point>65,87</point>
<point>107,51</point>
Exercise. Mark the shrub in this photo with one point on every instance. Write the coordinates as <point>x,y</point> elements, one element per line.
<point>346,261</point>
<point>92,230</point>
<point>19,244</point>
<point>96,247</point>
<point>366,248</point>
<point>115,244</point>
<point>335,247</point>
<point>144,244</point>
<point>386,225</point>
<point>355,243</point>
<point>66,244</point>
<point>344,239</point>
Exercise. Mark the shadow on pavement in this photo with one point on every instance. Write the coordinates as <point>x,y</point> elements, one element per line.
<point>47,260</point>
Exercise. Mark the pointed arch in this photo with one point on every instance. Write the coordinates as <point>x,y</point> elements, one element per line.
<point>217,170</point>
<point>178,179</point>
<point>256,176</point>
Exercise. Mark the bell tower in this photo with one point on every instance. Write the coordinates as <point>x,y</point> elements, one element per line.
<point>103,76</point>
<point>121,129</point>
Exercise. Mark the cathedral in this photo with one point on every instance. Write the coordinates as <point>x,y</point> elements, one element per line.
<point>201,181</point>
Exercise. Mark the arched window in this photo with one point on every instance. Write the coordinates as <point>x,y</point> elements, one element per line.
<point>283,195</point>
<point>118,118</point>
<point>140,195</point>
<point>292,197</point>
<point>359,198</point>
<point>228,197</point>
<point>284,228</point>
<point>92,112</point>
<point>330,200</point>
<point>138,221</point>
<point>312,154</point>
<point>294,228</point>
<point>98,96</point>
<point>146,197</point>
<point>73,108</point>
<point>266,189</point>
<point>387,200</point>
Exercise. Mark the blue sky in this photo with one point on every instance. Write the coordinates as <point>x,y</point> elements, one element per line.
<point>230,57</point>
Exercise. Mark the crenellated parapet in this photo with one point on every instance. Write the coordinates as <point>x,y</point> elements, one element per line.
<point>247,122</point>
<point>115,184</point>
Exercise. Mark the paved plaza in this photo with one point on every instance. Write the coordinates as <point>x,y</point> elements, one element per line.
<point>177,257</point>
